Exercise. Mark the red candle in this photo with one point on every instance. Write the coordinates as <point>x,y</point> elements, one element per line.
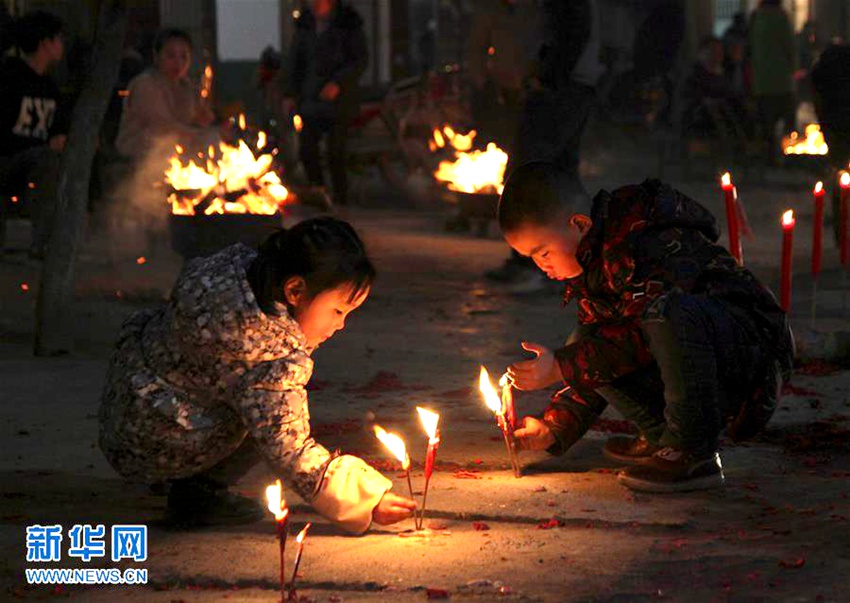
<point>788,222</point>
<point>817,231</point>
<point>730,196</point>
<point>842,224</point>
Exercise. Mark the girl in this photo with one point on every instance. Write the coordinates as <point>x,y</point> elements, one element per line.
<point>201,389</point>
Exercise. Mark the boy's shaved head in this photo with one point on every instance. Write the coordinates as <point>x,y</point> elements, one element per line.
<point>537,193</point>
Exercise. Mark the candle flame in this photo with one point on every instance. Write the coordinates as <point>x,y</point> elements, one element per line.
<point>303,533</point>
<point>788,218</point>
<point>179,149</point>
<point>845,179</point>
<point>141,260</point>
<point>819,188</point>
<point>726,180</point>
<point>297,123</point>
<point>261,140</point>
<point>394,444</point>
<point>430,420</point>
<point>276,502</point>
<point>491,397</point>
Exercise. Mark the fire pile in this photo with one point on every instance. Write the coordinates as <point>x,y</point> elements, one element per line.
<point>226,180</point>
<point>470,171</point>
<point>813,143</point>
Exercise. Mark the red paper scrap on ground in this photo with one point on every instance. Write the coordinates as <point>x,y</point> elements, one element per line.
<point>793,390</point>
<point>817,368</point>
<point>792,563</point>
<point>480,526</point>
<point>466,474</point>
<point>550,523</point>
<point>437,593</point>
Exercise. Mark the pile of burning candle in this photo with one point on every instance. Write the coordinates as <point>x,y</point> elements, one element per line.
<point>736,220</point>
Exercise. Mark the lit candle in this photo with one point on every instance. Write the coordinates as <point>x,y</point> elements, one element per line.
<point>302,535</point>
<point>730,196</point>
<point>277,505</point>
<point>844,200</point>
<point>494,403</point>
<point>430,421</point>
<point>396,446</point>
<point>788,222</point>
<point>817,230</point>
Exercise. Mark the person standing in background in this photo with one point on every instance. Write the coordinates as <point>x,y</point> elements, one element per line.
<point>774,61</point>
<point>559,95</point>
<point>327,57</point>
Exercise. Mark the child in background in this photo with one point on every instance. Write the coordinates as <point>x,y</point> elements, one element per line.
<point>200,390</point>
<point>672,331</point>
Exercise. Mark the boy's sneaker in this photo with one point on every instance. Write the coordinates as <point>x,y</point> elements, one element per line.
<point>197,502</point>
<point>628,449</point>
<point>672,470</point>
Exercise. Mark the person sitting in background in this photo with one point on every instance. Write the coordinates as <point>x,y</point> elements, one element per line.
<point>162,102</point>
<point>32,127</point>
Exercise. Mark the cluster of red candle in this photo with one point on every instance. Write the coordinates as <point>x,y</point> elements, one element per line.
<point>734,213</point>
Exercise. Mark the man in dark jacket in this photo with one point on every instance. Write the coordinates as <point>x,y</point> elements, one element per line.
<point>327,57</point>
<point>32,128</point>
<point>673,332</point>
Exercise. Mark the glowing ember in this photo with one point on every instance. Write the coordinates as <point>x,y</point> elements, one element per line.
<point>25,287</point>
<point>394,444</point>
<point>726,180</point>
<point>813,143</point>
<point>276,502</point>
<point>297,123</point>
<point>788,218</point>
<point>228,179</point>
<point>491,396</point>
<point>429,420</point>
<point>141,260</point>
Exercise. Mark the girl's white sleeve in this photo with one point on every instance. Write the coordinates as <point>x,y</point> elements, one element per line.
<point>273,406</point>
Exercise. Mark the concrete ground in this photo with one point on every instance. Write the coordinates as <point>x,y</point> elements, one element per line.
<point>565,531</point>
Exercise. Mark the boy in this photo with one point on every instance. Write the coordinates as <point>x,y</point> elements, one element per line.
<point>31,136</point>
<point>672,331</point>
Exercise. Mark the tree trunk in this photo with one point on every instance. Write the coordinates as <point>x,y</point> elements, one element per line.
<point>54,311</point>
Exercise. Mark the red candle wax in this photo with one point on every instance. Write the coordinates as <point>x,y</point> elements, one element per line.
<point>730,196</point>
<point>817,230</point>
<point>844,245</point>
<point>788,222</point>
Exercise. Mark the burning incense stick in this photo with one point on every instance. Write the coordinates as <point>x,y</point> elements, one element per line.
<point>302,535</point>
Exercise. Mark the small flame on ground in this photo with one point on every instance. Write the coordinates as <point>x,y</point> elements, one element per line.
<point>141,260</point>
<point>394,444</point>
<point>303,533</point>
<point>276,502</point>
<point>31,185</point>
<point>819,188</point>
<point>844,181</point>
<point>14,199</point>
<point>491,396</point>
<point>429,420</point>
<point>788,218</point>
<point>261,140</point>
<point>242,123</point>
<point>297,123</point>
<point>25,287</point>
<point>726,180</point>
<point>491,51</point>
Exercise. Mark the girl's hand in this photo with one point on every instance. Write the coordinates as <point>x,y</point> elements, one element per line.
<point>534,435</point>
<point>538,373</point>
<point>392,509</point>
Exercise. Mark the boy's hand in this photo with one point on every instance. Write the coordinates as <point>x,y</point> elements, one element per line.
<point>392,509</point>
<point>537,373</point>
<point>534,434</point>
